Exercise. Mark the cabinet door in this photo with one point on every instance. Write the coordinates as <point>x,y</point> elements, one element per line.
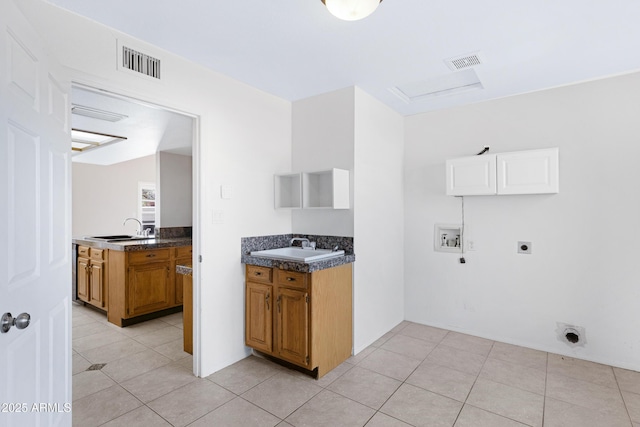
<point>528,172</point>
<point>96,294</point>
<point>149,288</point>
<point>471,176</point>
<point>293,326</point>
<point>259,316</point>
<point>83,279</point>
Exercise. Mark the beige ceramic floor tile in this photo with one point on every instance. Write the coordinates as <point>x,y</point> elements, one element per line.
<point>420,407</point>
<point>411,347</point>
<point>79,364</point>
<point>86,328</point>
<point>365,386</point>
<point>330,409</point>
<point>236,413</point>
<point>124,369</point>
<point>391,364</point>
<point>519,355</point>
<point>159,337</point>
<point>509,402</point>
<point>476,417</point>
<point>281,394</point>
<point>245,374</point>
<point>400,326</point>
<point>463,361</point>
<point>628,380</point>
<point>174,350</point>
<point>141,417</point>
<point>563,414</point>
<point>632,401</point>
<point>357,358</point>
<point>327,379</point>
<point>172,319</point>
<point>585,394</point>
<point>158,382</point>
<point>384,420</point>
<point>110,352</point>
<point>383,339</point>
<point>89,382</point>
<point>442,380</point>
<point>582,370</point>
<point>186,404</point>
<point>424,332</point>
<point>468,343</point>
<point>103,406</point>
<point>96,340</point>
<point>143,328</point>
<point>519,376</point>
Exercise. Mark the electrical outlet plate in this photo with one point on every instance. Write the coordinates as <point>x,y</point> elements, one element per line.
<point>524,248</point>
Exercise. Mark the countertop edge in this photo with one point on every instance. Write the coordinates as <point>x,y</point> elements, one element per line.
<point>301,267</point>
<point>136,245</point>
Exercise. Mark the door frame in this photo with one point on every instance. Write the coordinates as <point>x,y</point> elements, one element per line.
<point>196,200</point>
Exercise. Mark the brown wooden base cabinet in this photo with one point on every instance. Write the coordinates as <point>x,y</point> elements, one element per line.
<point>92,277</point>
<point>142,282</point>
<point>302,318</point>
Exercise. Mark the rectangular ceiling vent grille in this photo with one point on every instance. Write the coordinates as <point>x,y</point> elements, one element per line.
<point>140,62</point>
<point>463,62</point>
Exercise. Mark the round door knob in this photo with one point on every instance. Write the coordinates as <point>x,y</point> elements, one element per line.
<point>22,321</point>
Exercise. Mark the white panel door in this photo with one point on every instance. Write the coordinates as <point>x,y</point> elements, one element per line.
<point>529,172</point>
<point>35,237</point>
<point>471,176</point>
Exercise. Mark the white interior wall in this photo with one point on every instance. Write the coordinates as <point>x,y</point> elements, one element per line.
<point>322,138</point>
<point>103,196</point>
<point>378,228</point>
<point>583,267</point>
<point>224,109</point>
<point>174,190</point>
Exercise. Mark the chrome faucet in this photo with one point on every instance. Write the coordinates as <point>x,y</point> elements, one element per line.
<point>139,231</point>
<point>305,243</point>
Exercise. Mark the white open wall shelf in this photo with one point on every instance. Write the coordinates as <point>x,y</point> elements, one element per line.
<point>327,189</point>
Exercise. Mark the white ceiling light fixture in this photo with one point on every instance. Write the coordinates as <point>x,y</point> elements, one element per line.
<point>95,113</point>
<point>351,10</point>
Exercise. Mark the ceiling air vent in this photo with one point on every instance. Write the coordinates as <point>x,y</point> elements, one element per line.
<point>140,62</point>
<point>465,61</point>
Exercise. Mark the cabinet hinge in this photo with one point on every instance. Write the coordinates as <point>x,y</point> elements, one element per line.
<point>307,300</point>
<point>307,359</point>
<point>199,258</point>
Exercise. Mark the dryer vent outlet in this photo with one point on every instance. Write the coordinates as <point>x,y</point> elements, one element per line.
<point>572,335</point>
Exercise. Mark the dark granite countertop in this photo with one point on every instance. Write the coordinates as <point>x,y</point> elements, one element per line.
<point>185,270</point>
<point>259,243</point>
<point>302,267</point>
<point>135,245</point>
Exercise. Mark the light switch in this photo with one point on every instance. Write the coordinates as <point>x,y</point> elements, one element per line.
<point>226,192</point>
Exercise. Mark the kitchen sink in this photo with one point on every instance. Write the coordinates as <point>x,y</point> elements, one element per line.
<point>298,254</point>
<point>117,238</point>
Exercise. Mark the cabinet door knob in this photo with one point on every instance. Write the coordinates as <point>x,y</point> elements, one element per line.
<point>150,255</point>
<point>291,279</point>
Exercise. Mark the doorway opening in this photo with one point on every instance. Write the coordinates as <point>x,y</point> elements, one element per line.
<point>141,185</point>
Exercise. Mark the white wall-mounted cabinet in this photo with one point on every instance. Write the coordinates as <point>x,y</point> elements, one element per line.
<point>288,191</point>
<point>328,189</point>
<point>522,172</point>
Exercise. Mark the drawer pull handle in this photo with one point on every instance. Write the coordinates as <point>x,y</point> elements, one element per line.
<point>291,279</point>
<point>267,300</point>
<point>258,273</point>
<point>150,255</point>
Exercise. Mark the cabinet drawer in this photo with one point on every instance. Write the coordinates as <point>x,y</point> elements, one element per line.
<point>146,256</point>
<point>83,251</point>
<point>184,252</point>
<point>259,274</point>
<point>97,254</point>
<point>291,279</point>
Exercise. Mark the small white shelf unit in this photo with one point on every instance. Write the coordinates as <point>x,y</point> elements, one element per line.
<point>327,189</point>
<point>288,191</point>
